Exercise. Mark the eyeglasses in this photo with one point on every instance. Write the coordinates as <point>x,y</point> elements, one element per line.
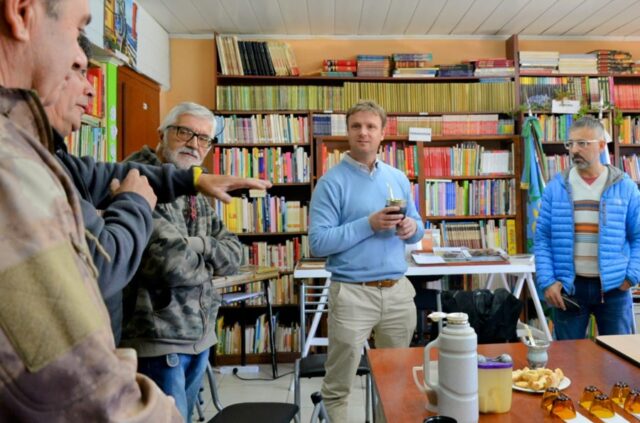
<point>185,135</point>
<point>578,143</point>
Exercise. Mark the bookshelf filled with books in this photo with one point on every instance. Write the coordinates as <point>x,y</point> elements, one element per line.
<point>627,123</point>
<point>597,82</point>
<point>464,113</point>
<point>93,137</point>
<point>272,225</point>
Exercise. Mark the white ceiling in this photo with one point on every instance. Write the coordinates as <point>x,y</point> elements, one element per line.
<point>590,18</point>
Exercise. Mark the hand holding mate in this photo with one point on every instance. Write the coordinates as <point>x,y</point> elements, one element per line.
<point>385,219</point>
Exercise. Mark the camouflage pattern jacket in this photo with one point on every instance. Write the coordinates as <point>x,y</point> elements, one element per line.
<point>58,361</point>
<point>172,296</point>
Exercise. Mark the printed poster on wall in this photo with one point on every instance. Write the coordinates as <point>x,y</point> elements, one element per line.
<point>120,29</point>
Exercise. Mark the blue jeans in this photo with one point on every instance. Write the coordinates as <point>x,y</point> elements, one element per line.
<point>178,375</point>
<point>614,316</point>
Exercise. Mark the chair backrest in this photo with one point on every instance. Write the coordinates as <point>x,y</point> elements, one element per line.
<point>313,302</point>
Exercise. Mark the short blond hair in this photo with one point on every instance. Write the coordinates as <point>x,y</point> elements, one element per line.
<point>368,106</point>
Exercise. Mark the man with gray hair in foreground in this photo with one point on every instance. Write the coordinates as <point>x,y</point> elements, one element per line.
<point>174,302</point>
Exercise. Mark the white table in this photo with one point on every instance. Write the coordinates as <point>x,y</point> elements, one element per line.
<point>523,270</point>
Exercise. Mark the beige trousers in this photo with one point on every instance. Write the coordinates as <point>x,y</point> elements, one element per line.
<point>354,311</point>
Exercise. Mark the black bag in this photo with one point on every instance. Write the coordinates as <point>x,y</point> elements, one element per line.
<point>493,315</point>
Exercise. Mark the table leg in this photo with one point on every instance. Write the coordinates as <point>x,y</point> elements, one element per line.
<point>272,331</point>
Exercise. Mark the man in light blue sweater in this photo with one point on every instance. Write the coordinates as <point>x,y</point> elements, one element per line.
<point>364,242</point>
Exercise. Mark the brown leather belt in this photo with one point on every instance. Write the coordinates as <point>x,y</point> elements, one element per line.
<point>385,283</point>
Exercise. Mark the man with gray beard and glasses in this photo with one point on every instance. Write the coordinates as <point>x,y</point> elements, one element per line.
<point>171,305</point>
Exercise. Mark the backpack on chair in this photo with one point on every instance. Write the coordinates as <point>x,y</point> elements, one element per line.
<point>493,315</point>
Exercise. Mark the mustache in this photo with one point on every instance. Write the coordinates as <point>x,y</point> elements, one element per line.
<point>188,150</point>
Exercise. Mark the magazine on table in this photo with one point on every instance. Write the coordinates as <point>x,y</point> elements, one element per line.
<point>462,255</point>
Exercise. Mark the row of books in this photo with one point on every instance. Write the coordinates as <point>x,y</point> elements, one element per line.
<point>631,166</point>
<point>96,77</point>
<point>402,157</point>
<point>277,165</point>
<point>269,214</point>
<point>89,140</point>
<point>282,291</point>
<point>627,96</point>
<point>97,136</point>
<point>494,96</point>
<point>489,124</point>
<point>614,61</point>
<point>557,163</point>
<point>271,58</point>
<point>279,97</point>
<point>269,128</point>
<point>470,198</point>
<point>284,256</point>
<point>491,233</point>
<point>466,159</point>
<point>630,130</point>
<point>555,128</point>
<point>331,124</point>
<point>287,338</point>
<point>590,91</point>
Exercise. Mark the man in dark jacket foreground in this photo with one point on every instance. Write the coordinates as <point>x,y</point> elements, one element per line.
<point>124,192</point>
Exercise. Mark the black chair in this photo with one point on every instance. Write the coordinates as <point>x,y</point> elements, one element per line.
<point>252,412</point>
<point>248,412</point>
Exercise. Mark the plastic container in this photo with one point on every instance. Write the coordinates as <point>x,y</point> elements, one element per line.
<point>494,386</point>
<point>457,385</point>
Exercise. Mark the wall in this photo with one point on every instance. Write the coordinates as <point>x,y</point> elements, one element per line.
<point>193,70</point>
<point>153,49</point>
<point>153,42</point>
<point>95,29</point>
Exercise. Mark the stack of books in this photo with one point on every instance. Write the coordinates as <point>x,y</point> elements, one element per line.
<point>373,66</point>
<point>578,63</point>
<point>493,67</point>
<point>539,62</point>
<point>613,61</point>
<point>413,65</point>
<point>341,68</point>
<point>461,70</point>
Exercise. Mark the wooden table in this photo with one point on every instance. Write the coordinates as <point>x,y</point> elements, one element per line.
<point>583,361</point>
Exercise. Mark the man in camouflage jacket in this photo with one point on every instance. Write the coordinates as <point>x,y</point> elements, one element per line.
<point>172,325</point>
<point>58,361</point>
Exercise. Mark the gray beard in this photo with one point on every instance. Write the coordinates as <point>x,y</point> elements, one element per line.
<point>173,156</point>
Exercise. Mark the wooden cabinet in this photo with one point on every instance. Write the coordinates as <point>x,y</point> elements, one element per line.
<point>138,112</point>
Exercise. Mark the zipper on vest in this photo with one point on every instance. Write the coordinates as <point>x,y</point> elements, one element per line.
<point>601,223</point>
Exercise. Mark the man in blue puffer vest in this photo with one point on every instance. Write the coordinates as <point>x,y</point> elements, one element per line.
<point>587,243</point>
